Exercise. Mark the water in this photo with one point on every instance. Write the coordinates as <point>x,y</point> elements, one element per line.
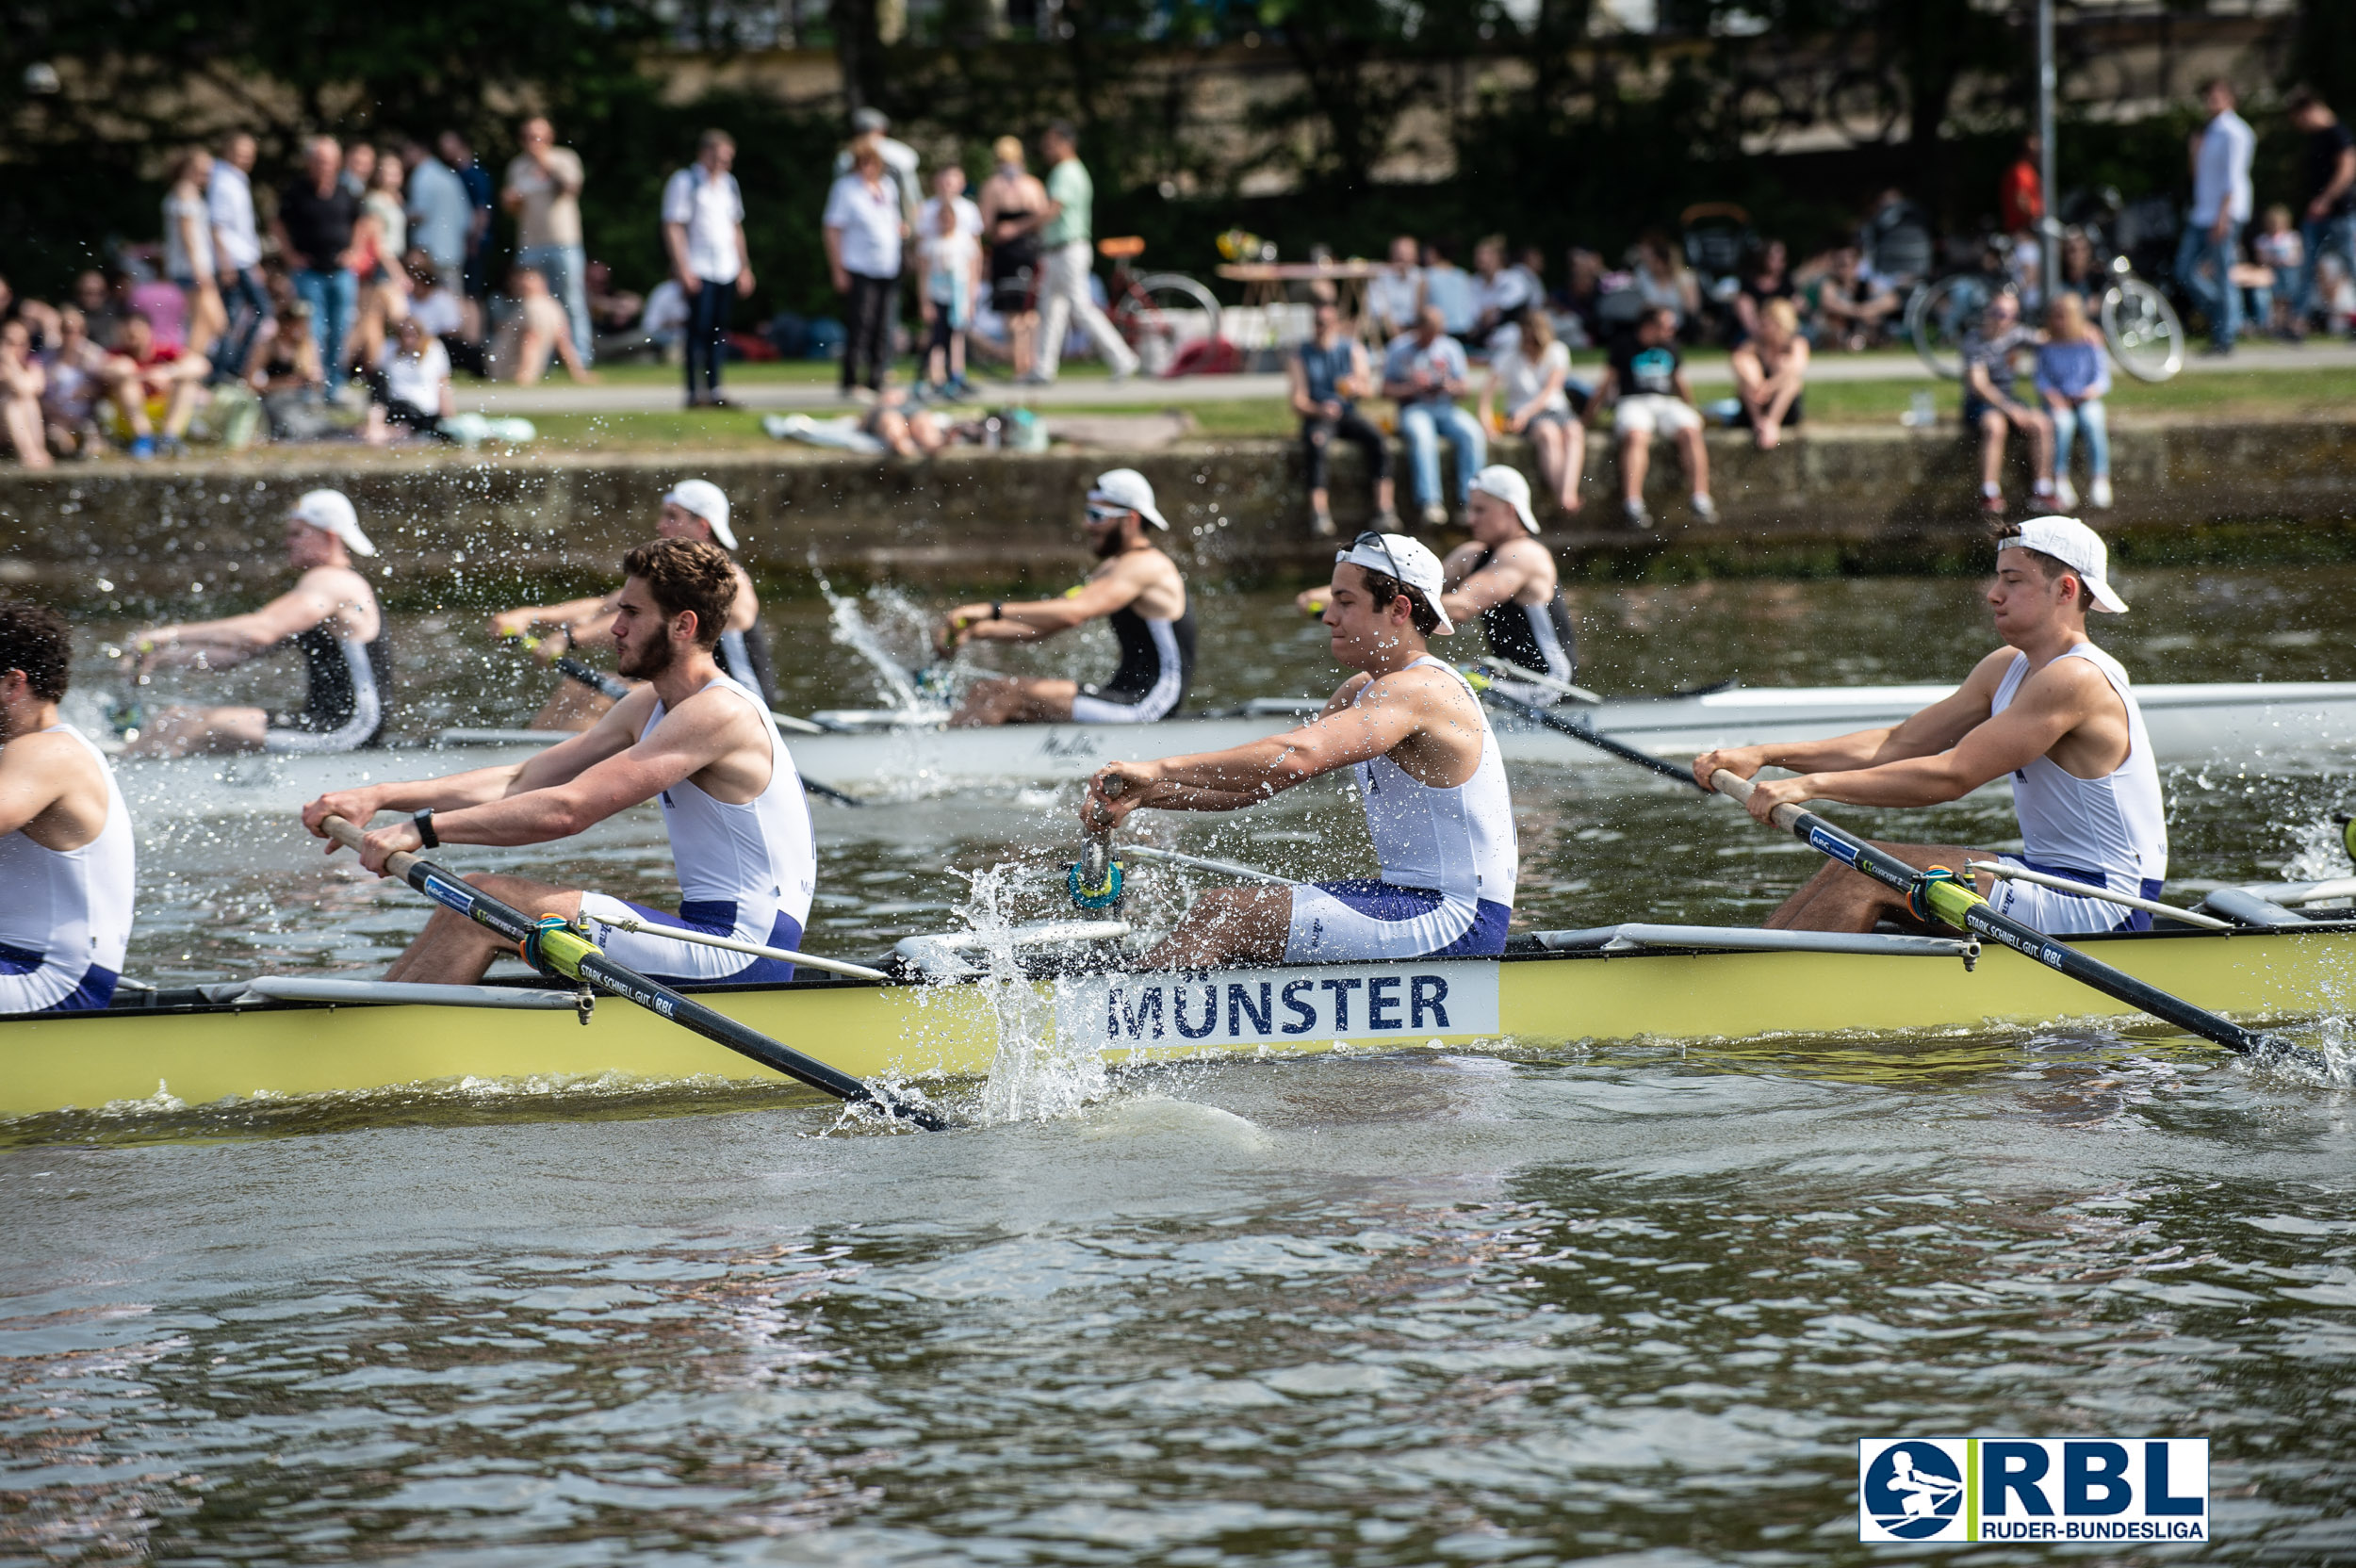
<point>1632,1303</point>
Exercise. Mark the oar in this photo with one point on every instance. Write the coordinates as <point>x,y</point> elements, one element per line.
<point>1577,730</point>
<point>1225,868</point>
<point>1492,666</point>
<point>609,687</point>
<point>550,946</point>
<point>1953,901</point>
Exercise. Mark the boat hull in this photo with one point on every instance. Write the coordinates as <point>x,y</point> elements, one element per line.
<point>203,1054</point>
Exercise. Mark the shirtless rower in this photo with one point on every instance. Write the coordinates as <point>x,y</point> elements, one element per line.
<point>2049,708</point>
<point>1429,775</point>
<point>66,851</point>
<point>330,616</point>
<point>1136,587</point>
<point>701,741</point>
<point>1505,577</point>
<point>693,509</point>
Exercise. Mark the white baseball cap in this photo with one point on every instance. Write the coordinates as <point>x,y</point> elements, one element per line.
<point>1126,487</point>
<point>706,501</point>
<point>330,511</point>
<point>2075,545</point>
<point>1506,484</point>
<point>1408,560</point>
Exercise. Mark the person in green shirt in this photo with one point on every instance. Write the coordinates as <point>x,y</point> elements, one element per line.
<point>1066,259</point>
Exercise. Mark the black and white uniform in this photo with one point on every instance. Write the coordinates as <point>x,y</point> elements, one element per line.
<point>1156,667</point>
<point>347,697</point>
<point>1539,637</point>
<point>744,658</point>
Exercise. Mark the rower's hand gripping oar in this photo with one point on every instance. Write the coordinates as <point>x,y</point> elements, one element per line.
<point>616,690</point>
<point>1939,895</point>
<point>554,948</point>
<point>1094,879</point>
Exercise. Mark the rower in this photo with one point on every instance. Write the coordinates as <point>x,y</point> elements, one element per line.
<point>2049,708</point>
<point>331,616</point>
<point>699,740</point>
<point>691,508</point>
<point>1136,588</point>
<point>1429,775</point>
<point>66,851</point>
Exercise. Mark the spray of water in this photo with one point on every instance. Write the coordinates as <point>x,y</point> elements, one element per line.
<point>879,632</point>
<point>1032,1077</point>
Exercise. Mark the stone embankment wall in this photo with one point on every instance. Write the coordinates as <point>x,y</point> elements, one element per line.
<point>463,531</point>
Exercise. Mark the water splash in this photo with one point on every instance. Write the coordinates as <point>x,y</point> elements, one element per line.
<point>2317,854</point>
<point>1032,1077</point>
<point>879,632</point>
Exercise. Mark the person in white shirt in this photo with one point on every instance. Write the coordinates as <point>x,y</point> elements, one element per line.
<point>237,252</point>
<point>411,383</point>
<point>1394,295</point>
<point>703,233</point>
<point>864,232</point>
<point>1501,292</point>
<point>874,127</point>
<point>1529,371</point>
<point>953,281</point>
<point>948,186</point>
<point>2220,207</point>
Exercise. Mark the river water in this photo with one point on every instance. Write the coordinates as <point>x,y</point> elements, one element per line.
<point>1631,1303</point>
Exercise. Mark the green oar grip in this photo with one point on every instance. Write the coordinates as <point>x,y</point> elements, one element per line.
<point>556,948</point>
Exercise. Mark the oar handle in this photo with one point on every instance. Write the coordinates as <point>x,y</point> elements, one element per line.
<point>343,832</point>
<point>1786,816</point>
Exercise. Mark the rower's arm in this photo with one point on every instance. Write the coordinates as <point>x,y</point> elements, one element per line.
<point>1935,729</point>
<point>218,645</point>
<point>1258,770</point>
<point>2050,706</point>
<point>1032,620</point>
<point>572,613</point>
<point>1507,574</point>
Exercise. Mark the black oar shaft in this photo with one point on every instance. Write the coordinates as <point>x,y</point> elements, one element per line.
<point>585,963</point>
<point>1589,734</point>
<point>1974,915</point>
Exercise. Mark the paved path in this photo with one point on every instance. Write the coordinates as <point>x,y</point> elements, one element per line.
<point>558,397</point>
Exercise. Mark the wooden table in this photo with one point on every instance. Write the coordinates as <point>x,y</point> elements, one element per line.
<point>1265,282</point>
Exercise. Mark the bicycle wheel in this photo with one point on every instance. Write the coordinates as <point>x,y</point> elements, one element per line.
<point>1938,315</point>
<point>1162,312</point>
<point>2142,330</point>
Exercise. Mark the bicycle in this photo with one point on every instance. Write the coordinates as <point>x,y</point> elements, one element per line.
<point>2140,329</point>
<point>1155,313</point>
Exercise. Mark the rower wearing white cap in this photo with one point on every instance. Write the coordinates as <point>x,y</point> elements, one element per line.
<point>2049,708</point>
<point>691,508</point>
<point>1429,776</point>
<point>1136,588</point>
<point>330,616</point>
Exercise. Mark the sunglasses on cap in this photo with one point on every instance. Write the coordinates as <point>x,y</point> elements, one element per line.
<point>1099,512</point>
<point>1376,538</point>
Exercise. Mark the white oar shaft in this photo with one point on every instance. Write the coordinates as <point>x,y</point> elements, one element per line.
<point>1225,868</point>
<point>2086,890</point>
<point>701,938</point>
<point>1539,677</point>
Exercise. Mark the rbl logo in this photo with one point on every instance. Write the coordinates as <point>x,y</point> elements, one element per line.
<point>1962,1489</point>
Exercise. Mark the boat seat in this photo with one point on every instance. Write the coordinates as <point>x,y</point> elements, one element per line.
<point>2244,908</point>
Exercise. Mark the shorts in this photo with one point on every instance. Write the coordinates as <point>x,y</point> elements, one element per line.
<point>690,963</point>
<point>2058,913</point>
<point>1792,415</point>
<point>1561,417</point>
<point>1090,706</point>
<point>1652,414</point>
<point>30,984</point>
<point>1362,919</point>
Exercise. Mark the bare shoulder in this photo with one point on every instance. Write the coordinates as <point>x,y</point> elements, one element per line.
<point>2077,683</point>
<point>1989,672</point>
<point>715,713</point>
<point>46,754</point>
<point>1423,688</point>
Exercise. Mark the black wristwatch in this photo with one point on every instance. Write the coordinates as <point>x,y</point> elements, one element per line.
<point>424,821</point>
<point>997,610</point>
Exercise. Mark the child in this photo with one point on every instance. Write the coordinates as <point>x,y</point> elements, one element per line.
<point>953,270</point>
<point>2073,377</point>
<point>2279,248</point>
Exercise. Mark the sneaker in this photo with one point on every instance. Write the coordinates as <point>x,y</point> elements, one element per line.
<point>1635,514</point>
<point>715,400</point>
<point>1993,505</point>
<point>2098,493</point>
<point>1321,523</point>
<point>170,446</point>
<point>1120,378</point>
<point>1704,508</point>
<point>1435,516</point>
<point>2065,494</point>
<point>142,448</point>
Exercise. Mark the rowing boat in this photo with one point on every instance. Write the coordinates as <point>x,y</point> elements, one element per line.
<point>298,1035</point>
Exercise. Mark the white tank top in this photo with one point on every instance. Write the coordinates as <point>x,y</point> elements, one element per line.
<point>1457,840</point>
<point>70,909</point>
<point>760,857</point>
<point>2116,825</point>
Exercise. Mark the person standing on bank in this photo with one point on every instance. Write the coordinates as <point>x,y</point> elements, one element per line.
<point>1067,260</point>
<point>703,234</point>
<point>314,227</point>
<point>863,234</point>
<point>68,858</point>
<point>693,509</point>
<point>1012,202</point>
<point>691,738</point>
<point>2222,197</point>
<point>330,616</point>
<point>1136,587</point>
<point>1330,373</point>
<point>544,183</point>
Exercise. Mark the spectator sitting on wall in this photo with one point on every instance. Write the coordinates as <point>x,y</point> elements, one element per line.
<point>1582,298</point>
<point>1502,292</point>
<point>540,328</point>
<point>79,377</point>
<point>435,304</point>
<point>1424,371</point>
<point>1991,408</point>
<point>1852,305</point>
<point>1767,278</point>
<point>410,386</point>
<point>2073,376</point>
<point>1530,370</point>
<point>1771,373</point>
<point>21,383</point>
<point>1330,373</point>
<point>103,309</point>
<point>1645,385</point>
<point>290,377</point>
<point>167,382</point>
<point>1394,295</point>
<point>1449,287</point>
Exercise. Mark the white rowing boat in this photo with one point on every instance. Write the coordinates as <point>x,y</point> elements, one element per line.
<point>887,755</point>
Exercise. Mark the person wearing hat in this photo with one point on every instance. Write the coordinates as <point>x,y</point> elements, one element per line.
<point>2049,709</point>
<point>691,508</point>
<point>1136,588</point>
<point>1508,579</point>
<point>1429,775</point>
<point>330,616</point>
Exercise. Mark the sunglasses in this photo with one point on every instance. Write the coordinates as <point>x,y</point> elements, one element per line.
<point>1374,537</point>
<point>1107,513</point>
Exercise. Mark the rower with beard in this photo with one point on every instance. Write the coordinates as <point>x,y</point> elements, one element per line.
<point>693,509</point>
<point>1136,588</point>
<point>692,737</point>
